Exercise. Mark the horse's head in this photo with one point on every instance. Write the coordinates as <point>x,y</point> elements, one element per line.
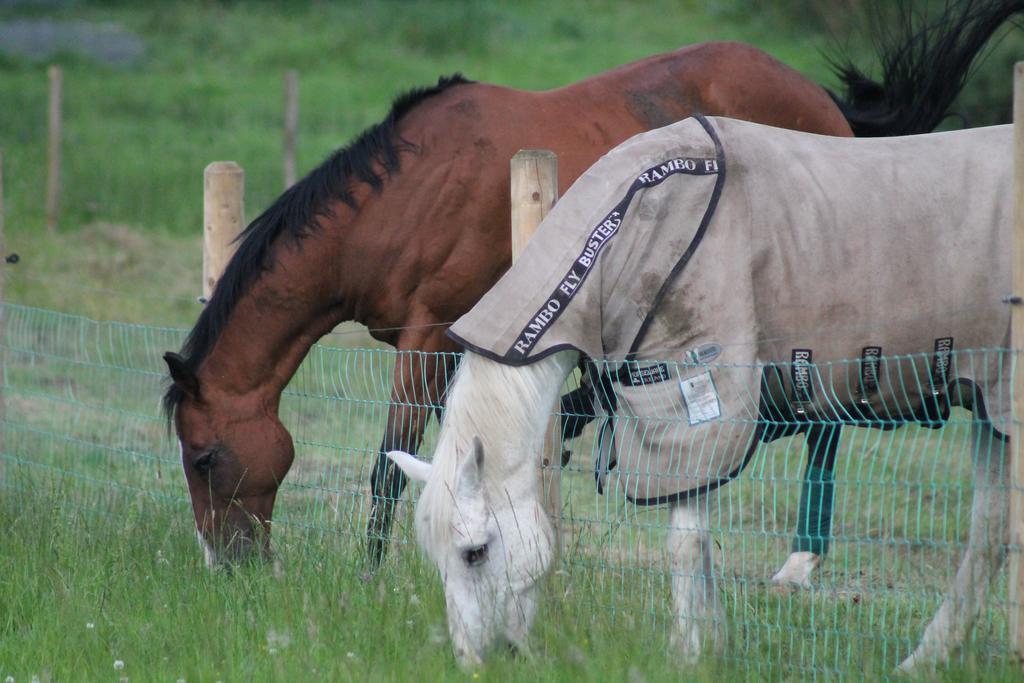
<point>491,540</point>
<point>235,452</point>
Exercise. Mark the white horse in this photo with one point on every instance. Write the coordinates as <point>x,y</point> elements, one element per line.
<point>759,249</point>
<point>480,519</point>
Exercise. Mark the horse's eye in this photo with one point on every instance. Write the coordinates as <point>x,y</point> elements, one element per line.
<point>203,463</point>
<point>475,556</point>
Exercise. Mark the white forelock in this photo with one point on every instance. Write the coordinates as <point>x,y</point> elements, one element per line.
<point>507,408</point>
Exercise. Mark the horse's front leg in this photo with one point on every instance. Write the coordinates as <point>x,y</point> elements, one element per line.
<point>417,391</point>
<point>814,516</point>
<point>700,620</point>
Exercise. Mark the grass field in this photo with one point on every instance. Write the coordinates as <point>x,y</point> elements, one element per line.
<point>99,532</point>
<point>98,561</point>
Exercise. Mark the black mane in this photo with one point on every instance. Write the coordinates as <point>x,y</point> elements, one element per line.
<point>296,213</point>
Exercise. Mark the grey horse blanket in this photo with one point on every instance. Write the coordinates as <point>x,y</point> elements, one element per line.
<point>735,276</point>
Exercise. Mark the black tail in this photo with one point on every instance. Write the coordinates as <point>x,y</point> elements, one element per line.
<point>924,69</point>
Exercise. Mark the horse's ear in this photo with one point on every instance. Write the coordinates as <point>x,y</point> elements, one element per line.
<point>181,375</point>
<point>472,468</point>
<point>414,468</point>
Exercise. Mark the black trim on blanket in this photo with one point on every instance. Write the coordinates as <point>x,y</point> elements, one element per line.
<point>716,193</point>
<point>756,439</point>
<point>642,181</point>
<point>623,374</point>
<point>606,230</point>
<point>505,360</point>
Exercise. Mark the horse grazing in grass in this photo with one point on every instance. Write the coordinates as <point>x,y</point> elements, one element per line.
<point>405,228</point>
<point>662,258</point>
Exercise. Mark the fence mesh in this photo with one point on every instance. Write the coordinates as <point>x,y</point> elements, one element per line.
<point>82,402</point>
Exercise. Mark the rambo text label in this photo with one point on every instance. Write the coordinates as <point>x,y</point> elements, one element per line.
<point>870,358</point>
<point>800,369</point>
<point>603,233</point>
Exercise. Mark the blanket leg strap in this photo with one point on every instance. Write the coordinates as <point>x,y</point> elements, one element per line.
<point>814,520</point>
<point>814,515</point>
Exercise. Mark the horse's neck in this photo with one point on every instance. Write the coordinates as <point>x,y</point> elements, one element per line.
<point>507,407</point>
<point>277,320</point>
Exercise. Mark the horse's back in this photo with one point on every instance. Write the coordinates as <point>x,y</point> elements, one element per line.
<point>720,78</point>
<point>905,226</point>
<point>895,244</point>
<point>583,120</point>
<point>760,243</point>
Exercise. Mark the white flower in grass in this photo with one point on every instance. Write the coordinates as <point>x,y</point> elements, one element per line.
<point>118,665</point>
<point>278,640</point>
<point>437,634</point>
<point>89,625</point>
<point>350,655</point>
<point>9,679</point>
<point>576,655</point>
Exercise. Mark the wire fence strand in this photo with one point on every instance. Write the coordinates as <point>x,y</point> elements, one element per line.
<point>83,402</point>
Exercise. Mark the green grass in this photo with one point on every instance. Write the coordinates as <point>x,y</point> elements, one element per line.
<point>96,529</point>
<point>114,581</point>
<point>75,554</point>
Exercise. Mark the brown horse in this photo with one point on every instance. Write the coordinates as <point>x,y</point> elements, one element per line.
<point>404,230</point>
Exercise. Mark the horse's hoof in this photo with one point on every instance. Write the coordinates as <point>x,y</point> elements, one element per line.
<point>908,668</point>
<point>796,572</point>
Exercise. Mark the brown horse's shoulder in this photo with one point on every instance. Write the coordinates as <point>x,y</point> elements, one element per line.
<point>459,114</point>
<point>478,127</point>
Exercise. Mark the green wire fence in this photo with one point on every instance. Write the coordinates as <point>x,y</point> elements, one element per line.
<point>82,403</point>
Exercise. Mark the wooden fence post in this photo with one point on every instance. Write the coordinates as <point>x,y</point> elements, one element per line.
<point>534,192</point>
<point>56,78</point>
<point>291,124</point>
<point>3,339</point>
<point>223,218</point>
<point>1016,343</point>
